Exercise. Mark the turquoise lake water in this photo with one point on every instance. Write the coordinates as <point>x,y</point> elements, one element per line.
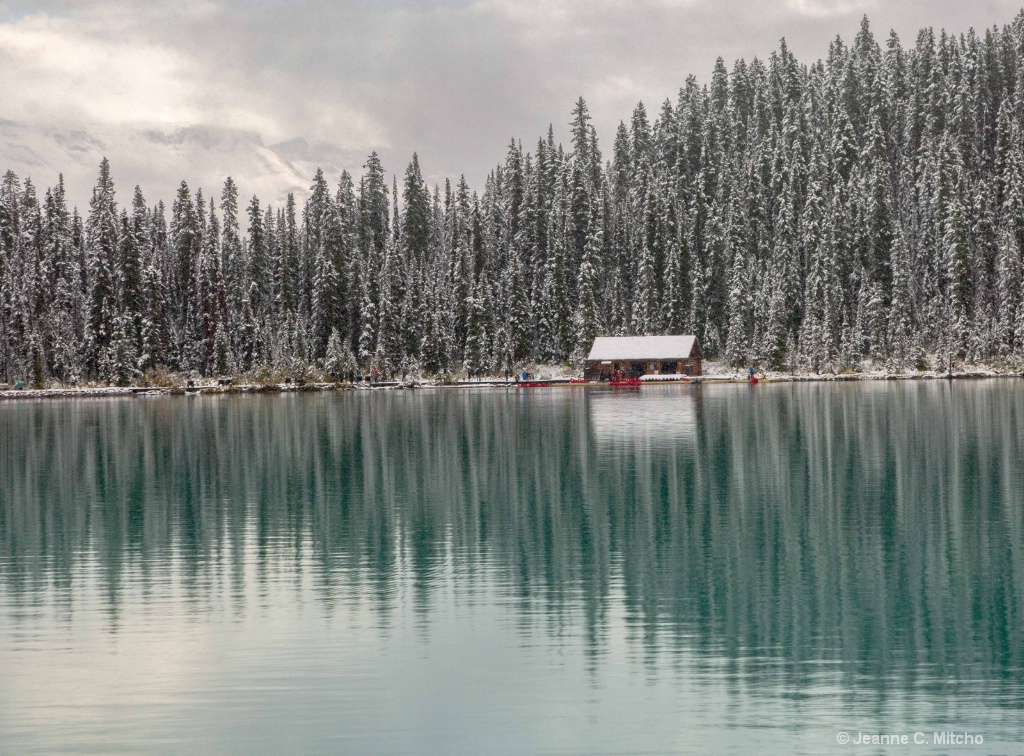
<point>712,569</point>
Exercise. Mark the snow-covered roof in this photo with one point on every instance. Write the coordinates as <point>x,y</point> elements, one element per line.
<point>615,348</point>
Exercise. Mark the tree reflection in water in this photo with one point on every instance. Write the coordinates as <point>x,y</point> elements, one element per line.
<point>875,526</point>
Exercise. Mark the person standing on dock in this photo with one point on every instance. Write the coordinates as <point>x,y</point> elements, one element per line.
<point>751,378</point>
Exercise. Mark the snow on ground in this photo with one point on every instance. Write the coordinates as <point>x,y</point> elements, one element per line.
<point>868,371</point>
<point>62,393</point>
<point>713,371</point>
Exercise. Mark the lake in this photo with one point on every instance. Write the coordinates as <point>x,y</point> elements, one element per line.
<point>683,569</point>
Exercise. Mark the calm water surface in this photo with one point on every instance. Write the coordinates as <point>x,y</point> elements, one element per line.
<point>676,568</point>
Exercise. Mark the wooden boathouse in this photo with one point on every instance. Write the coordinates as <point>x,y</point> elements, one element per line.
<point>629,357</point>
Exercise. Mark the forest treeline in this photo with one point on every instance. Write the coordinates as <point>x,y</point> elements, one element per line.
<point>867,206</point>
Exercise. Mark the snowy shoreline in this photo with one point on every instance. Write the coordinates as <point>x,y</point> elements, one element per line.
<point>711,379</point>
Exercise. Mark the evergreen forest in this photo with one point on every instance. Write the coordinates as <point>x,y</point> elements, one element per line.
<point>865,208</point>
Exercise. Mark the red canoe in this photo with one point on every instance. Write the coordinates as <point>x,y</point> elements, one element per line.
<point>624,383</point>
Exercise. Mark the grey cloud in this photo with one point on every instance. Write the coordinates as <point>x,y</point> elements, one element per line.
<point>454,81</point>
<point>305,156</point>
<point>77,141</point>
<point>206,137</point>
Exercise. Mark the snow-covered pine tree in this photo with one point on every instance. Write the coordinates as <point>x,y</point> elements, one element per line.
<point>232,263</point>
<point>64,326</point>
<point>338,358</point>
<point>321,235</point>
<point>258,263</point>
<point>101,269</point>
<point>1008,292</point>
<point>128,276</point>
<point>587,323</point>
<point>477,346</point>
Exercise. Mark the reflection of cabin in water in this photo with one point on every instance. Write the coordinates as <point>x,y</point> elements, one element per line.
<point>647,419</point>
<point>635,356</point>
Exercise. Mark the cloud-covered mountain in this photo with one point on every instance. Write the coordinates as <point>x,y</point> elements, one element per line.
<point>201,155</point>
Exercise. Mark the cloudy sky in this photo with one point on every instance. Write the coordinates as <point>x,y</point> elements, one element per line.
<point>265,91</point>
